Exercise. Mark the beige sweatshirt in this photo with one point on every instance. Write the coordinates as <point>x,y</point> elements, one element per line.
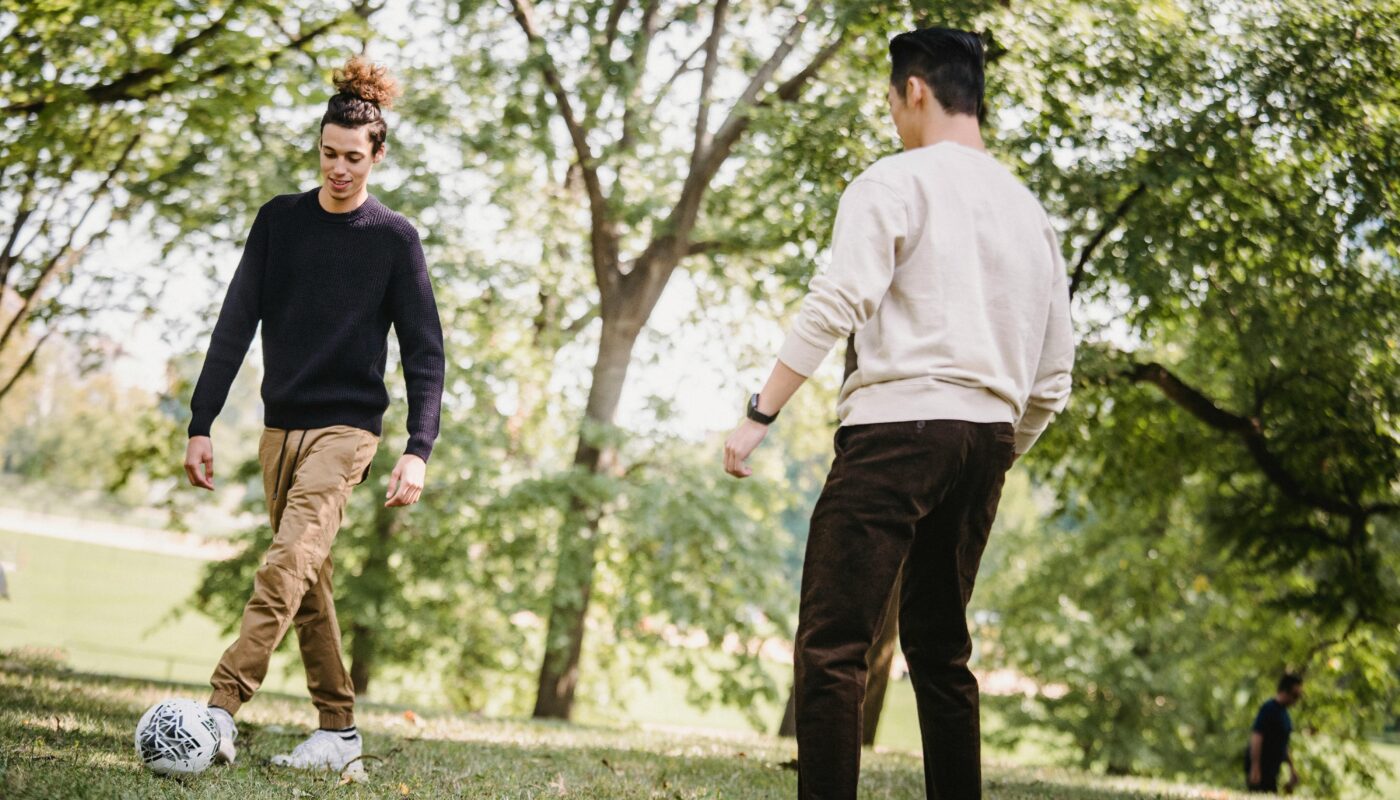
<point>947,270</point>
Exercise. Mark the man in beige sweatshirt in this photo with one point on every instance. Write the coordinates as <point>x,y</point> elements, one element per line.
<point>949,274</point>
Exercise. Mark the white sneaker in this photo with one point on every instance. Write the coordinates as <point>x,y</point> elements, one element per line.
<point>323,750</point>
<point>227,734</point>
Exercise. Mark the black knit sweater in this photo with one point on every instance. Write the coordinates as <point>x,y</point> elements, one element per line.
<point>326,287</point>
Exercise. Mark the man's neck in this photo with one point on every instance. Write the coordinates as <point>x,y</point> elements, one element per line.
<point>335,206</point>
<point>958,128</point>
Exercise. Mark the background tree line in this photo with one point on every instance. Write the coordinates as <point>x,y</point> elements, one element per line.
<point>1222,489</point>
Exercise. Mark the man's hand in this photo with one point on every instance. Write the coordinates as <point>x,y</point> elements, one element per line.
<point>406,481</point>
<point>1293,780</point>
<point>1256,775</point>
<point>199,462</point>
<point>740,445</point>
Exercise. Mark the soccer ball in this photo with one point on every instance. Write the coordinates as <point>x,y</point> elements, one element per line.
<point>177,737</point>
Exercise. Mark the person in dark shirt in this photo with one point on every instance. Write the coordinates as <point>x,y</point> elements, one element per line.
<point>326,273</point>
<point>1268,741</point>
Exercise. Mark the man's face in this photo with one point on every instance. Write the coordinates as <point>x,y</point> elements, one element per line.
<point>346,160</point>
<point>1292,696</point>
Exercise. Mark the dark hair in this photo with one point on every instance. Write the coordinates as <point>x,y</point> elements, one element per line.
<point>1289,681</point>
<point>950,61</point>
<point>362,89</point>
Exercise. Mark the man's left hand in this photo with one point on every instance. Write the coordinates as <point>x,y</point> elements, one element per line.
<point>406,481</point>
<point>740,445</point>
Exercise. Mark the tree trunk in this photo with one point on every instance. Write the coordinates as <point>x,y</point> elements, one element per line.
<point>881,661</point>
<point>573,579</point>
<point>788,727</point>
<point>374,581</point>
<point>881,656</point>
<point>361,657</point>
<point>877,679</point>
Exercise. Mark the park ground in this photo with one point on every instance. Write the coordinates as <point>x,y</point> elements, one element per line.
<point>68,735</point>
<point>66,722</point>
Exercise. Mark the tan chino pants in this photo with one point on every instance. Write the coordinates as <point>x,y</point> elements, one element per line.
<point>307,479</point>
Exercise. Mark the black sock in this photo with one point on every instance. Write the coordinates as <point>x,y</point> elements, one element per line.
<point>345,733</point>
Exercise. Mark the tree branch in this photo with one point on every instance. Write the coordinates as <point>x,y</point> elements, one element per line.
<point>58,259</point>
<point>576,325</point>
<point>1248,429</point>
<point>143,84</point>
<point>687,208</point>
<point>707,81</point>
<point>22,213</point>
<point>791,88</point>
<point>738,116</point>
<point>1107,227</point>
<point>638,60</point>
<point>604,244</point>
<point>728,247</point>
<point>121,87</point>
<point>24,365</point>
<point>629,114</point>
<point>614,19</point>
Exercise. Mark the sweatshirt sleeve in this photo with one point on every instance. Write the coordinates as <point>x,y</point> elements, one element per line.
<point>1050,391</point>
<point>415,317</point>
<point>871,224</point>
<point>233,332</point>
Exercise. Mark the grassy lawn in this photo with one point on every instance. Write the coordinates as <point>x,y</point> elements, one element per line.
<point>109,611</point>
<point>1389,786</point>
<point>65,735</point>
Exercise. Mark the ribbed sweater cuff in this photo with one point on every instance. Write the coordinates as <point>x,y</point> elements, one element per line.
<point>200,425</point>
<point>802,356</point>
<point>419,449</point>
<point>1032,424</point>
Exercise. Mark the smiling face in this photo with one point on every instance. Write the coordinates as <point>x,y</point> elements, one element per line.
<point>347,158</point>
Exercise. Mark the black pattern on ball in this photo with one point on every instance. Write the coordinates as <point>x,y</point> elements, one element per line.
<point>166,737</point>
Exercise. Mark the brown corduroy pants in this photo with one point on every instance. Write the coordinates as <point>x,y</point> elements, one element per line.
<point>916,496</point>
<point>307,478</point>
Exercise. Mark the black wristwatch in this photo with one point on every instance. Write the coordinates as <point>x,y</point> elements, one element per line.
<point>758,416</point>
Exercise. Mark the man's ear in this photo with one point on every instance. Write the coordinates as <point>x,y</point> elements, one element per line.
<point>379,156</point>
<point>914,92</point>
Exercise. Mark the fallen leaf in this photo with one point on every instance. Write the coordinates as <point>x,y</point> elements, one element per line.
<point>354,772</point>
<point>410,717</point>
<point>403,789</point>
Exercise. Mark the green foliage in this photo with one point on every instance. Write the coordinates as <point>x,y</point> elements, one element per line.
<point>1224,480</point>
<point>1226,472</point>
<point>158,111</point>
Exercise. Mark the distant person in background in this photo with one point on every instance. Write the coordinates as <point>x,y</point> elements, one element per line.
<point>326,272</point>
<point>1268,741</point>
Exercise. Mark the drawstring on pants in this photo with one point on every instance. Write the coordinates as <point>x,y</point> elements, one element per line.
<point>282,456</point>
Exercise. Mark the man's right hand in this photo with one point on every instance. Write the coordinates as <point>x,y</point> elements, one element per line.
<point>199,462</point>
<point>1256,775</point>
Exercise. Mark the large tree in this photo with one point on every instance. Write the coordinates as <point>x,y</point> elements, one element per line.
<point>662,119</point>
<point>1227,471</point>
<point>150,108</point>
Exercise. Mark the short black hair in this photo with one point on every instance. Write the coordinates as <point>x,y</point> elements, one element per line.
<point>950,61</point>
<point>1289,681</point>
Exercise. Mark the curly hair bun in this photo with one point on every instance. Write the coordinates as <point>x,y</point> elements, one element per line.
<point>368,81</point>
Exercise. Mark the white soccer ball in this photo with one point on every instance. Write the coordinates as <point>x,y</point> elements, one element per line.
<point>177,737</point>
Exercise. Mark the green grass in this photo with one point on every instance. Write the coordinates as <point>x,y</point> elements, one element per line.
<point>66,735</point>
<point>1389,785</point>
<point>109,610</point>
